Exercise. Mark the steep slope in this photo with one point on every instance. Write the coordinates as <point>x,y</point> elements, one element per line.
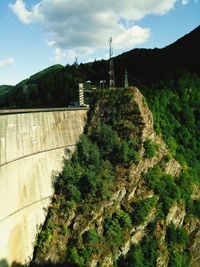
<point>120,190</point>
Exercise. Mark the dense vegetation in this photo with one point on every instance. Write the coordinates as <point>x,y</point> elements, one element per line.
<point>143,254</point>
<point>176,115</point>
<point>4,93</point>
<point>4,89</point>
<point>175,108</point>
<point>176,118</point>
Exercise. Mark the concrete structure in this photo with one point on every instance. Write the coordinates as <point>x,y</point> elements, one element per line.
<point>81,95</point>
<point>32,146</point>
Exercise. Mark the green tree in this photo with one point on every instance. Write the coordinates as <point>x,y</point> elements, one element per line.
<point>150,148</point>
<point>74,258</point>
<point>113,232</point>
<point>142,208</point>
<point>107,140</point>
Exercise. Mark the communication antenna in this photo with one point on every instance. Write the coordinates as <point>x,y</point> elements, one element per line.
<point>111,72</point>
<point>76,62</point>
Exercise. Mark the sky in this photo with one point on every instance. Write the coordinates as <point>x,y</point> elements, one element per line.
<point>35,34</point>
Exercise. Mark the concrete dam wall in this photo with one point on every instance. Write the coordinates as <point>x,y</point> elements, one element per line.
<point>32,146</point>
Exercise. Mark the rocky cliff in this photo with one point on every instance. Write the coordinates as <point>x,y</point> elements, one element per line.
<point>120,197</point>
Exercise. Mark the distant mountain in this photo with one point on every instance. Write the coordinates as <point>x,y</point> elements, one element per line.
<point>51,87</point>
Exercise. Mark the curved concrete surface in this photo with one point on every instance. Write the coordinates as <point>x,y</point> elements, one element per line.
<point>32,148</point>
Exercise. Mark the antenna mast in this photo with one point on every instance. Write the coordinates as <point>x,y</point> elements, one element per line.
<point>111,72</point>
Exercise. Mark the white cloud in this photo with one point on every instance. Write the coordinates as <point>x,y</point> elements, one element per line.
<point>184,2</point>
<point>6,62</point>
<point>76,26</point>
<point>23,14</point>
<point>71,54</point>
<point>132,36</point>
<point>58,54</point>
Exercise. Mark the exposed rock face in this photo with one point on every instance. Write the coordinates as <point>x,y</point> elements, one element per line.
<point>176,215</point>
<point>195,248</point>
<point>146,115</point>
<point>172,167</point>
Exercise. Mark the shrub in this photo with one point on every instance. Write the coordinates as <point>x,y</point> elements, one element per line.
<point>150,148</point>
<point>176,235</point>
<point>123,218</point>
<point>128,152</point>
<point>91,237</point>
<point>135,257</point>
<point>113,232</point>
<point>178,258</point>
<point>74,257</point>
<point>142,209</point>
<point>164,186</point>
<point>107,140</point>
<point>143,254</point>
<point>87,153</point>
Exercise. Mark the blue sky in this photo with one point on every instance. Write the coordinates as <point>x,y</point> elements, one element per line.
<point>35,34</point>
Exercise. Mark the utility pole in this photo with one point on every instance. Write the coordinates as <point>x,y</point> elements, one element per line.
<point>102,82</point>
<point>111,72</point>
<point>76,62</point>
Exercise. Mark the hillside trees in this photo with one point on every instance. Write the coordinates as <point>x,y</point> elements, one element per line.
<point>176,117</point>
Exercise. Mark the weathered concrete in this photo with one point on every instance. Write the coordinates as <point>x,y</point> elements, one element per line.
<point>32,145</point>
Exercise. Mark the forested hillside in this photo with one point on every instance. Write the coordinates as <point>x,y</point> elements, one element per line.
<point>55,86</point>
<point>176,118</point>
<point>122,199</point>
<point>4,92</point>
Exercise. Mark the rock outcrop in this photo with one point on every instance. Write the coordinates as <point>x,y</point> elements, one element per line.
<point>129,188</point>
